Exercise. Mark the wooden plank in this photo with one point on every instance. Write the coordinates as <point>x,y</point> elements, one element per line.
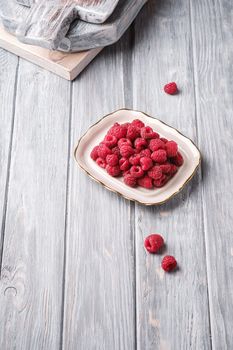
<point>32,265</point>
<point>66,65</point>
<point>8,74</point>
<point>99,289</point>
<point>172,309</point>
<point>213,58</point>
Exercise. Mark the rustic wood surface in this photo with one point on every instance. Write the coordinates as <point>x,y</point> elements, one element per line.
<point>74,273</point>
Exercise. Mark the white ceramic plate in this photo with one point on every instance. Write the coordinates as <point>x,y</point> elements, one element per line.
<point>95,135</point>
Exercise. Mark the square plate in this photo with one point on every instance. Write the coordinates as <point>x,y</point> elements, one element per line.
<point>95,134</point>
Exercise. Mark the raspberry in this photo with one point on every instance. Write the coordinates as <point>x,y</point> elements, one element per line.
<point>163,139</point>
<point>172,148</point>
<point>136,171</point>
<point>118,131</point>
<point>124,164</point>
<point>148,133</point>
<point>173,169</point>
<point>146,163</point>
<point>159,156</point>
<point>135,159</point>
<point>145,182</point>
<point>126,151</point>
<point>125,125</point>
<point>169,263</point>
<point>171,88</point>
<point>116,150</point>
<point>101,162</point>
<point>162,181</point>
<point>166,168</point>
<point>138,123</point>
<point>156,144</point>
<point>155,172</point>
<point>94,153</point>
<point>140,143</point>
<point>132,132</point>
<point>110,141</point>
<point>124,141</point>
<point>129,180</point>
<point>153,243</point>
<point>145,153</point>
<point>113,170</point>
<point>103,151</point>
<point>178,159</point>
<point>112,159</point>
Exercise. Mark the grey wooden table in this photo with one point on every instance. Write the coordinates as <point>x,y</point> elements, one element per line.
<point>74,273</point>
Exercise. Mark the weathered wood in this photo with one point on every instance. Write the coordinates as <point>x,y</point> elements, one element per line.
<point>172,309</point>
<point>99,289</point>
<point>213,59</point>
<point>32,265</point>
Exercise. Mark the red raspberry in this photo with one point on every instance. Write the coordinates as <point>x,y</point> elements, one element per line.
<point>135,159</point>
<point>132,132</point>
<point>94,153</point>
<point>159,156</point>
<point>153,243</point>
<point>113,170</point>
<point>156,144</point>
<point>166,168</point>
<point>103,151</point>
<point>173,170</point>
<point>145,153</point>
<point>163,139</point>
<point>129,180</point>
<point>138,123</point>
<point>146,163</point>
<point>155,172</point>
<point>118,131</point>
<point>178,159</point>
<point>116,150</point>
<point>126,151</point>
<point>112,159</point>
<point>136,171</point>
<point>101,162</point>
<point>140,143</point>
<point>124,164</point>
<point>145,182</point>
<point>148,133</point>
<point>169,263</point>
<point>124,141</point>
<point>172,148</point>
<point>125,125</point>
<point>162,181</point>
<point>171,88</point>
<point>110,141</point>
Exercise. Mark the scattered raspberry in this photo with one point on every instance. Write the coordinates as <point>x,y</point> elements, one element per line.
<point>171,88</point>
<point>136,171</point>
<point>148,133</point>
<point>133,132</point>
<point>146,163</point>
<point>169,263</point>
<point>103,151</point>
<point>110,141</point>
<point>138,123</point>
<point>145,182</point>
<point>140,143</point>
<point>135,159</point>
<point>155,172</point>
<point>118,131</point>
<point>124,164</point>
<point>101,162</point>
<point>112,159</point>
<point>159,156</point>
<point>145,153</point>
<point>126,151</point>
<point>178,159</point>
<point>129,180</point>
<point>153,243</point>
<point>113,170</point>
<point>162,181</point>
<point>172,148</point>
<point>116,150</point>
<point>124,141</point>
<point>94,153</point>
<point>156,144</point>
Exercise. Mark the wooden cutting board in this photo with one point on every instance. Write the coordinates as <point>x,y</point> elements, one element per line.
<point>66,65</point>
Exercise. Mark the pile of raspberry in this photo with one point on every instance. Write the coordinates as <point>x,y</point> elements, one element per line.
<point>139,154</point>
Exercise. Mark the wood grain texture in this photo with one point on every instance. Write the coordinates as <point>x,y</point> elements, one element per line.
<point>99,290</point>
<point>212,37</point>
<point>172,309</point>
<point>32,265</point>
